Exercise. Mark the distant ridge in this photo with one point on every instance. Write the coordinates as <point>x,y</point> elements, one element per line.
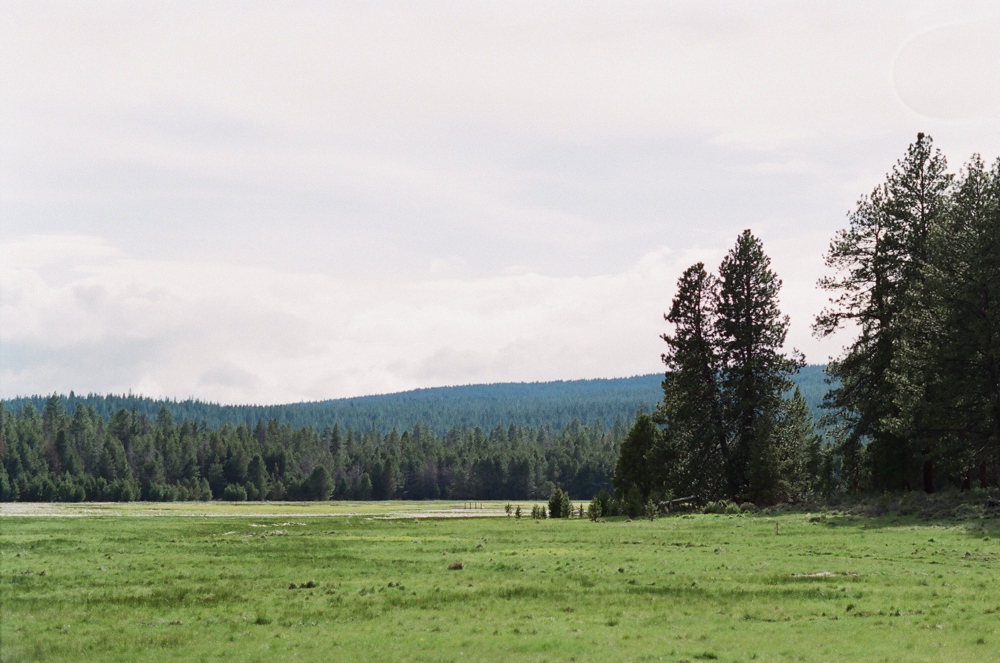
<point>554,404</point>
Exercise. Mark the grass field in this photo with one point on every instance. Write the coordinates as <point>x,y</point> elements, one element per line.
<point>211,582</point>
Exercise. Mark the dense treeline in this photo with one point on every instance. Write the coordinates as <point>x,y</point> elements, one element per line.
<point>51,455</point>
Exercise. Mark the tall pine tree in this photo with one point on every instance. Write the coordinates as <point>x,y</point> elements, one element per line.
<point>754,371</point>
<point>879,263</point>
<point>693,461</point>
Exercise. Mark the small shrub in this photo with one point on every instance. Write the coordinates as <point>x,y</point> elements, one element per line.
<point>721,506</point>
<point>594,510</point>
<point>234,493</point>
<point>565,506</point>
<point>559,505</point>
<point>605,499</point>
<point>517,512</point>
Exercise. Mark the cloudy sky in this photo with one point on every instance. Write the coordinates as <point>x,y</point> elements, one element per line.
<point>269,202</point>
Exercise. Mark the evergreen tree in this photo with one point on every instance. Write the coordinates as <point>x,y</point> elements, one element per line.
<point>320,484</point>
<point>879,262</point>
<point>257,476</point>
<point>365,487</point>
<point>556,503</point>
<point>633,468</point>
<point>798,451</point>
<point>691,455</point>
<point>754,371</point>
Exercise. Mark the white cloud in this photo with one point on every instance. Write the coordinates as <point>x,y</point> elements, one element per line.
<point>268,202</point>
<point>234,334</point>
<point>231,333</point>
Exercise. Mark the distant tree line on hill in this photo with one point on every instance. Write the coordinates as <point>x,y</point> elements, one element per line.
<point>554,404</point>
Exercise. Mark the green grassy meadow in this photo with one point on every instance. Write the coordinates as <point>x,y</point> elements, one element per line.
<point>211,582</point>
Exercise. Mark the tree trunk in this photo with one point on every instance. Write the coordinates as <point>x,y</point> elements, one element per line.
<point>928,471</point>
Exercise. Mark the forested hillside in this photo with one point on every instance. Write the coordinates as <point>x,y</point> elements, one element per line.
<point>553,404</point>
<point>505,441</point>
<point>52,455</point>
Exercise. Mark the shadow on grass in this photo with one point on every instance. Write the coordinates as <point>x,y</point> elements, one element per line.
<point>945,509</point>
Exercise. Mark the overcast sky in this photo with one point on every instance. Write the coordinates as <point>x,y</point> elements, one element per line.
<point>270,202</point>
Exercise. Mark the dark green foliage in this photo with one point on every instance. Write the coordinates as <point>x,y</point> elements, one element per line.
<point>556,504</point>
<point>632,502</point>
<point>800,454</point>
<point>541,404</point>
<point>633,468</point>
<point>604,499</point>
<point>234,493</point>
<point>320,484</point>
<point>918,274</point>
<point>692,453</point>
<point>257,479</point>
<point>49,456</point>
<point>594,509</point>
<point>559,504</point>
<point>754,371</point>
<point>728,428</point>
<point>553,404</point>
<point>947,370</point>
<point>365,487</point>
<point>6,494</point>
<point>879,262</point>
